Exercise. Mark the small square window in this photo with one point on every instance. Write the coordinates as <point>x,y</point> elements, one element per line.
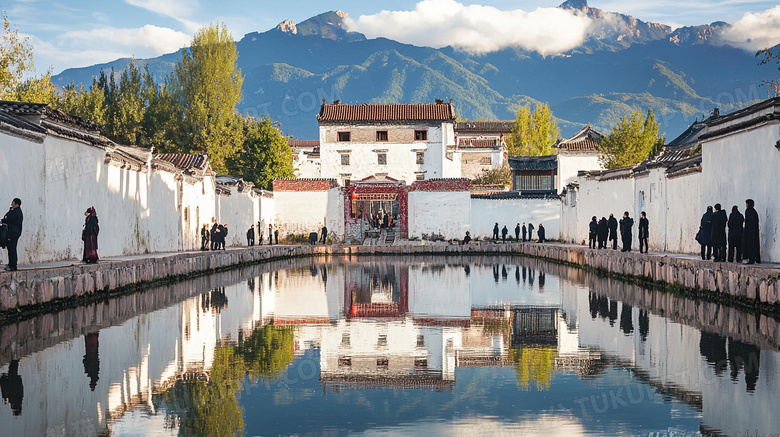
<point>421,363</point>
<point>381,158</point>
<point>421,135</point>
<point>420,157</point>
<point>382,340</point>
<point>382,363</point>
<point>381,135</point>
<point>345,159</point>
<point>344,136</point>
<point>345,339</point>
<point>420,341</point>
<point>345,361</point>
<point>420,176</point>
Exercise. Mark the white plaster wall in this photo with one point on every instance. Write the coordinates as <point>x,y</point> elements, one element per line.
<point>746,165</point>
<point>683,213</point>
<point>199,198</point>
<point>306,167</point>
<point>571,163</point>
<point>601,198</point>
<point>300,212</point>
<point>59,179</point>
<point>239,211</point>
<point>445,213</point>
<point>335,214</point>
<point>401,157</point>
<point>486,212</point>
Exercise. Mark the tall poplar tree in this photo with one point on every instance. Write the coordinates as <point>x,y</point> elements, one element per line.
<point>208,88</point>
<point>534,132</point>
<point>16,59</point>
<point>631,141</point>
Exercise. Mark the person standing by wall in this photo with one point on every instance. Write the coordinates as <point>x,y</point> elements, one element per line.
<point>525,232</point>
<point>736,221</point>
<point>324,234</point>
<point>603,232</point>
<point>495,232</point>
<point>751,250</point>
<point>504,231</point>
<point>644,232</point>
<point>205,236</point>
<point>13,218</point>
<point>719,221</point>
<point>270,234</point>
<point>706,234</point>
<point>626,228</point>
<point>613,228</point>
<point>593,230</point>
<point>542,237</point>
<point>517,232</point>
<point>276,235</point>
<point>260,233</point>
<point>214,234</point>
<point>224,235</point>
<point>530,231</point>
<point>250,236</point>
<point>89,235</point>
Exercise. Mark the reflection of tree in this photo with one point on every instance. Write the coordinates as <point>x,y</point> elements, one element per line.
<point>210,407</point>
<point>268,351</point>
<point>534,364</point>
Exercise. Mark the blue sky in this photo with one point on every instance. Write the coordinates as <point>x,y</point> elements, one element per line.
<point>69,34</point>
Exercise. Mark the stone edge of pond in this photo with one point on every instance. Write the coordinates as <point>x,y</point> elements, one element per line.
<point>27,293</point>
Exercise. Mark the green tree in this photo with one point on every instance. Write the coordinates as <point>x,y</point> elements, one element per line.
<point>35,90</point>
<point>208,88</point>
<point>631,141</point>
<point>501,176</point>
<point>534,132</point>
<point>265,155</point>
<point>89,105</point>
<point>16,59</point>
<point>769,58</point>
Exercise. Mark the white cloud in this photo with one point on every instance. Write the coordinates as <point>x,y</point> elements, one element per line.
<point>476,28</point>
<point>149,40</point>
<point>754,31</point>
<point>88,47</point>
<point>179,10</point>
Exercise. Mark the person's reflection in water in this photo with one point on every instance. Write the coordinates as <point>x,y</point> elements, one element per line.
<point>524,271</point>
<point>324,274</point>
<point>644,324</point>
<point>517,274</point>
<point>747,357</point>
<point>613,315</point>
<point>713,348</point>
<point>12,388</point>
<point>531,277</point>
<point>626,319</point>
<point>541,281</point>
<point>593,305</point>
<point>504,274</point>
<point>495,274</point>
<point>92,359</point>
<point>467,270</point>
<point>250,283</point>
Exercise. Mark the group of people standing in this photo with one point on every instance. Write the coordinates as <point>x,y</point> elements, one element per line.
<point>601,231</point>
<point>527,232</point>
<point>215,236</point>
<point>742,238</point>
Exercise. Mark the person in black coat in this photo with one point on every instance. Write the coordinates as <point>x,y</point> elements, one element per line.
<point>613,228</point>
<point>205,236</point>
<point>751,250</point>
<point>736,221</point>
<point>504,231</point>
<point>593,230</point>
<point>495,231</point>
<point>626,228</point>
<point>706,234</point>
<point>719,221</point>
<point>324,235</point>
<point>525,232</point>
<point>250,236</point>
<point>644,232</point>
<point>517,232</point>
<point>214,234</point>
<point>13,218</point>
<point>603,233</point>
<point>530,231</point>
<point>542,237</point>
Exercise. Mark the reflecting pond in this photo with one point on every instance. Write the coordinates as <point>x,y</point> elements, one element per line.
<point>468,346</point>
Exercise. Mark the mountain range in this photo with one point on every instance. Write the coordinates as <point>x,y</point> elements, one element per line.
<point>623,65</point>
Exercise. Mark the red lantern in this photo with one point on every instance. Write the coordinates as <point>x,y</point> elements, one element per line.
<point>353,196</point>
